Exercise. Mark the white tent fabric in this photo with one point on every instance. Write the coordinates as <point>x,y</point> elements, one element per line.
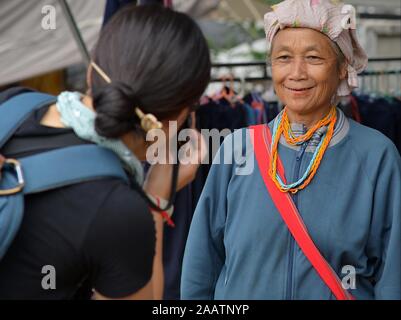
<point>26,49</point>
<point>196,8</point>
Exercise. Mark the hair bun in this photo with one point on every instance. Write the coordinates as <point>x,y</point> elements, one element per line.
<point>115,107</point>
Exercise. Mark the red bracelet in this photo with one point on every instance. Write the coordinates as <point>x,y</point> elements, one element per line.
<point>164,214</point>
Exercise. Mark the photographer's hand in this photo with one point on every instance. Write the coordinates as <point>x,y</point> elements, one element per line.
<point>190,156</point>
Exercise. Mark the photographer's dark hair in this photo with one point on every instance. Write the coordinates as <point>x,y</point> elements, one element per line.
<point>157,59</point>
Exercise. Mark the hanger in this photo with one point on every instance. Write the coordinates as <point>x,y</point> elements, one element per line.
<point>227,92</point>
<point>372,91</point>
<point>386,90</point>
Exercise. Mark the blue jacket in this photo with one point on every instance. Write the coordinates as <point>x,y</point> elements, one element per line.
<point>239,247</point>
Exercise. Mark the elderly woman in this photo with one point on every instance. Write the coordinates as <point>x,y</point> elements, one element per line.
<point>343,179</point>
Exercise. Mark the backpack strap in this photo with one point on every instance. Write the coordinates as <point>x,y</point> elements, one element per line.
<point>19,147</point>
<point>67,166</point>
<point>56,168</point>
<point>16,110</point>
<point>261,139</point>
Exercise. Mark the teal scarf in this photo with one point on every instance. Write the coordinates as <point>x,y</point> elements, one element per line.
<point>77,116</point>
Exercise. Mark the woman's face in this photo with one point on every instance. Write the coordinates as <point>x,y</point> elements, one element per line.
<point>304,70</point>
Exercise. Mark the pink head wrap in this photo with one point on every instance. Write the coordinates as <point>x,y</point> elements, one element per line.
<point>330,17</point>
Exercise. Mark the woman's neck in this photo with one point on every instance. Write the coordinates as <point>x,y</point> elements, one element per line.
<point>52,116</point>
<point>88,101</point>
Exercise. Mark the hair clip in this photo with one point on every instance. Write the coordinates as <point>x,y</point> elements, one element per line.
<point>148,120</point>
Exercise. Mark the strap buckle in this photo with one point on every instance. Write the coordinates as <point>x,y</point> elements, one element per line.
<point>20,178</point>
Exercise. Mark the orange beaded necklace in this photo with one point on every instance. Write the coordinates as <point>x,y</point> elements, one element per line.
<point>283,127</point>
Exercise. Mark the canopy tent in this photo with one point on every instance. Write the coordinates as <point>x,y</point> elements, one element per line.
<point>28,49</point>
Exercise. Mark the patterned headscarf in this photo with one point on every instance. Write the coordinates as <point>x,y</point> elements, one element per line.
<point>330,17</point>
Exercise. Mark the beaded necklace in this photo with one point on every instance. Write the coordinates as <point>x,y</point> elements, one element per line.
<point>282,127</point>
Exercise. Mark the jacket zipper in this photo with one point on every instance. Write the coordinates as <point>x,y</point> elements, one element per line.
<point>300,154</point>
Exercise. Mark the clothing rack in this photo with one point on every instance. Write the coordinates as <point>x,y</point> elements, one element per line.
<point>381,16</point>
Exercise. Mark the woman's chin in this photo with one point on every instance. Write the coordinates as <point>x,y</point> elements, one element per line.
<point>298,108</point>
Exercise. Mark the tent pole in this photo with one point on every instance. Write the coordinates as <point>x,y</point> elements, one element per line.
<point>75,31</point>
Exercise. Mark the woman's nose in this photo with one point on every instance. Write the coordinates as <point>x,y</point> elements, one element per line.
<point>298,70</point>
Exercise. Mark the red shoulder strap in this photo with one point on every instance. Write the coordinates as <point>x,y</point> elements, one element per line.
<point>261,139</point>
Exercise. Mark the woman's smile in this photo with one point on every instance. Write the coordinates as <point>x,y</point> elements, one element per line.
<point>299,91</point>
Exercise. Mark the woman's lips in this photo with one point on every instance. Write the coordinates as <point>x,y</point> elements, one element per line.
<point>299,91</point>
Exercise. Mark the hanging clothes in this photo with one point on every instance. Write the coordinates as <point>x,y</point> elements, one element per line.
<point>377,112</point>
<point>174,240</point>
<point>112,6</point>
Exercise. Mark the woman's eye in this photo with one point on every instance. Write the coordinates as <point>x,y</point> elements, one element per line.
<point>283,58</point>
<point>313,58</point>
